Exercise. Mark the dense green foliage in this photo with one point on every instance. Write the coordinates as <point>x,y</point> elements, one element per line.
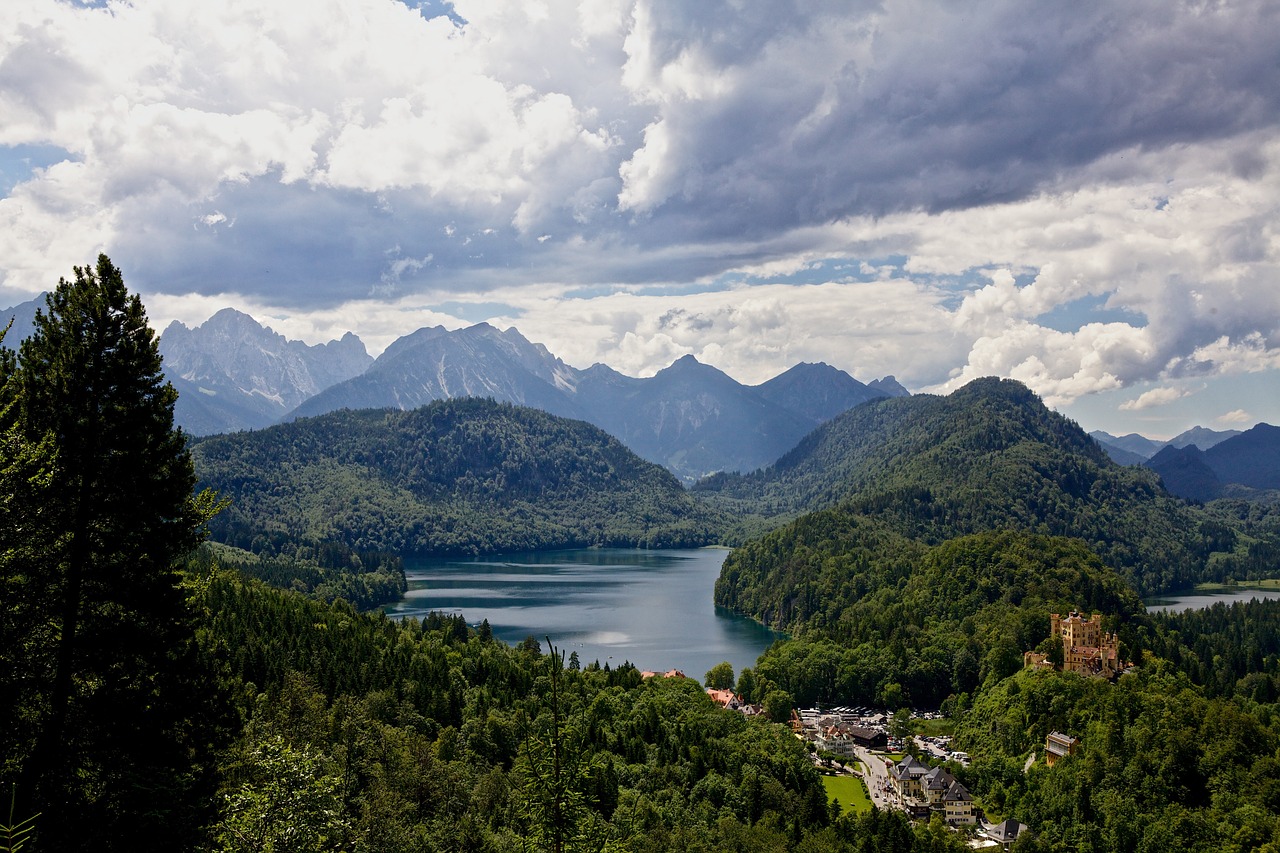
<point>932,623</point>
<point>1160,766</point>
<point>456,476</point>
<point>328,571</point>
<point>1226,650</point>
<point>378,735</point>
<point>946,531</point>
<point>106,721</point>
<point>988,457</point>
<point>143,707</point>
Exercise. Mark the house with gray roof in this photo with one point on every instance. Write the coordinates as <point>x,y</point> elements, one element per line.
<point>935,784</point>
<point>1006,832</point>
<point>957,806</point>
<point>907,775</point>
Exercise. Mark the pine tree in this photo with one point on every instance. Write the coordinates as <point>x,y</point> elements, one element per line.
<point>24,617</point>
<point>123,726</point>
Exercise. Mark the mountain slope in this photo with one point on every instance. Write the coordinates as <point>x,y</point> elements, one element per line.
<point>457,476</point>
<point>965,609</point>
<point>436,364</point>
<point>988,457</point>
<point>23,316</point>
<point>1250,459</point>
<point>1185,472</point>
<point>694,419</point>
<point>232,373</point>
<point>817,391</point>
<point>1202,437</point>
<point>1131,449</point>
<point>690,417</point>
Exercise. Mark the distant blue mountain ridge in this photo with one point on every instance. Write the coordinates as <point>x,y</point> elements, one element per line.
<point>232,374</point>
<point>1240,466</point>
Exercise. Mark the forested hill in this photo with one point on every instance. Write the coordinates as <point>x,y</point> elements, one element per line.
<point>990,456</point>
<point>897,441</point>
<point>456,476</point>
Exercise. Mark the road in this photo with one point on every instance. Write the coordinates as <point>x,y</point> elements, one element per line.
<point>877,778</point>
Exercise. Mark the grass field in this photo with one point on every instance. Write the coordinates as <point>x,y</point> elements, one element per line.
<point>933,728</point>
<point>1267,583</point>
<point>849,791</point>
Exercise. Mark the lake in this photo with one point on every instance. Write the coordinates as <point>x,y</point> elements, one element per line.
<point>1196,599</point>
<point>653,608</point>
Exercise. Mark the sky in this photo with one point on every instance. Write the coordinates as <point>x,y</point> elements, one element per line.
<point>1082,197</point>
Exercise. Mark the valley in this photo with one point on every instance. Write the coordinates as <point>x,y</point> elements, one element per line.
<point>362,627</point>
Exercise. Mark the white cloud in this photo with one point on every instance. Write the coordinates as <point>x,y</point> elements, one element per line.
<point>1239,416</point>
<point>646,177</point>
<point>1085,198</point>
<point>1154,397</point>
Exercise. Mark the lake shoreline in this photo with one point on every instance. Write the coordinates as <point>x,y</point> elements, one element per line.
<point>1208,594</point>
<point>653,608</point>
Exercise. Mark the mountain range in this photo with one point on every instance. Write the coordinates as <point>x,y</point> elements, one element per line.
<point>1244,463</point>
<point>1134,449</point>
<point>233,374</point>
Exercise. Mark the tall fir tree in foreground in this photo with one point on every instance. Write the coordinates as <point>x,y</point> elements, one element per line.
<point>111,713</point>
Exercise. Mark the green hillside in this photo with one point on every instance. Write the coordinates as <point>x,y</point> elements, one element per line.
<point>990,456</point>
<point>899,623</point>
<point>456,476</point>
<point>949,529</point>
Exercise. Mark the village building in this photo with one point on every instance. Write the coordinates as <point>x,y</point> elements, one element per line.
<point>908,775</point>
<point>869,738</point>
<point>1006,832</point>
<point>935,784</point>
<point>944,793</point>
<point>1057,746</point>
<point>957,806</point>
<point>835,739</point>
<point>843,740</point>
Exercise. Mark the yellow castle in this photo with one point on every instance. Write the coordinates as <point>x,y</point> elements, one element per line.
<point>1086,648</point>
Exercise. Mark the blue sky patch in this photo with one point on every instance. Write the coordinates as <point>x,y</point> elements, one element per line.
<point>435,9</point>
<point>1088,309</point>
<point>19,162</point>
<point>476,312</point>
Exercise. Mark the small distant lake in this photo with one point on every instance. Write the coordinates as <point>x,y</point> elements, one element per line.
<point>1196,599</point>
<point>653,608</point>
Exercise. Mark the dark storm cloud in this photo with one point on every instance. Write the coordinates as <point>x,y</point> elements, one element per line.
<point>943,106</point>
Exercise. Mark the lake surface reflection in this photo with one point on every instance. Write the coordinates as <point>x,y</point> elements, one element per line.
<point>1196,600</point>
<point>653,608</point>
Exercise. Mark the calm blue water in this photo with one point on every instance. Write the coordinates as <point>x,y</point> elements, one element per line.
<point>653,608</point>
<point>1195,600</point>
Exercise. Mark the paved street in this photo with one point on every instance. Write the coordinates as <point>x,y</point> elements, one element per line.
<point>877,779</point>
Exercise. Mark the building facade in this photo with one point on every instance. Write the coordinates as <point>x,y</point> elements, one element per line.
<point>1086,648</point>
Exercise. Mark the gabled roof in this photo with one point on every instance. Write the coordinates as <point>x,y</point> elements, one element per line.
<point>909,768</point>
<point>1006,831</point>
<point>938,779</point>
<point>957,793</point>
